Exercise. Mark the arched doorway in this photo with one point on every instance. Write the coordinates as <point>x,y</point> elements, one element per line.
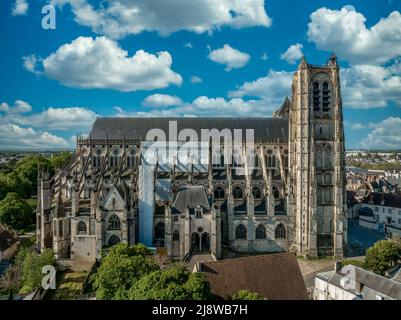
<point>200,242</point>
<point>113,240</point>
<point>205,242</point>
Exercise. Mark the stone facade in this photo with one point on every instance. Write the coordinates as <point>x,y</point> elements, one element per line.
<point>292,197</point>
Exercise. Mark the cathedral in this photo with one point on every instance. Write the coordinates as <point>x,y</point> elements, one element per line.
<point>130,181</point>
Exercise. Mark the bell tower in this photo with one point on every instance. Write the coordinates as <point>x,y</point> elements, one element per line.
<point>317,156</point>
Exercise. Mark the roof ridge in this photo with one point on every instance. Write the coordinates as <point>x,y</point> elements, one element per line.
<point>255,256</point>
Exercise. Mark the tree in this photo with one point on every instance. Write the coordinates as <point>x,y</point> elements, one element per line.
<point>120,269</point>
<point>58,161</point>
<point>175,283</point>
<point>15,212</point>
<point>383,256</point>
<point>28,168</point>
<point>247,295</point>
<point>32,265</point>
<point>12,182</point>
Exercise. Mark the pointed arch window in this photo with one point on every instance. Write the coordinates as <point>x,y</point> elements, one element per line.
<point>114,223</point>
<point>219,193</point>
<point>240,232</point>
<point>316,96</point>
<point>176,235</point>
<point>96,160</point>
<point>280,232</point>
<point>326,97</point>
<point>260,232</point>
<point>131,159</point>
<point>237,193</point>
<point>256,193</point>
<point>60,228</point>
<point>256,164</point>
<point>115,159</point>
<point>113,240</point>
<point>82,230</point>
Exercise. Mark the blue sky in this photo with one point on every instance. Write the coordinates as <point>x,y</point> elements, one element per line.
<point>191,59</point>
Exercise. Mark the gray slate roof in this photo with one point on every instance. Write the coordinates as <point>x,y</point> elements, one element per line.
<point>190,197</point>
<point>137,128</point>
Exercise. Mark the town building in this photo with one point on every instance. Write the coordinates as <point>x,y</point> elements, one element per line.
<point>354,283</point>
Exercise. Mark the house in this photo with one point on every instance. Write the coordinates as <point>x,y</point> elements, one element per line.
<point>381,211</point>
<point>274,276</point>
<point>354,283</point>
<point>8,244</point>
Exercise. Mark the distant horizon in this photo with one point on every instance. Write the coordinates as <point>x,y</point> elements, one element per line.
<point>73,149</point>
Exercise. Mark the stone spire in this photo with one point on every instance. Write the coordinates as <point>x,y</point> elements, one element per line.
<point>303,64</point>
<point>332,60</point>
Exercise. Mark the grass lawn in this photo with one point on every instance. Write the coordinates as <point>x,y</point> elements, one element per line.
<point>71,285</point>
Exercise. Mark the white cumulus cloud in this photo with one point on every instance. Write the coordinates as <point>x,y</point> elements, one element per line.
<point>73,118</point>
<point>367,86</point>
<point>161,100</point>
<point>345,32</point>
<point>20,8</point>
<point>119,18</point>
<point>14,137</point>
<point>386,135</point>
<point>273,88</point>
<point>204,106</point>
<point>18,107</point>
<point>101,64</point>
<point>232,58</point>
<point>293,53</point>
<point>196,79</point>
<point>60,119</point>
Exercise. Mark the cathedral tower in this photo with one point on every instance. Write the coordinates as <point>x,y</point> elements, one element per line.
<point>317,159</point>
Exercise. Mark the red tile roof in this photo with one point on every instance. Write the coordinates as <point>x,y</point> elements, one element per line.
<point>274,276</point>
